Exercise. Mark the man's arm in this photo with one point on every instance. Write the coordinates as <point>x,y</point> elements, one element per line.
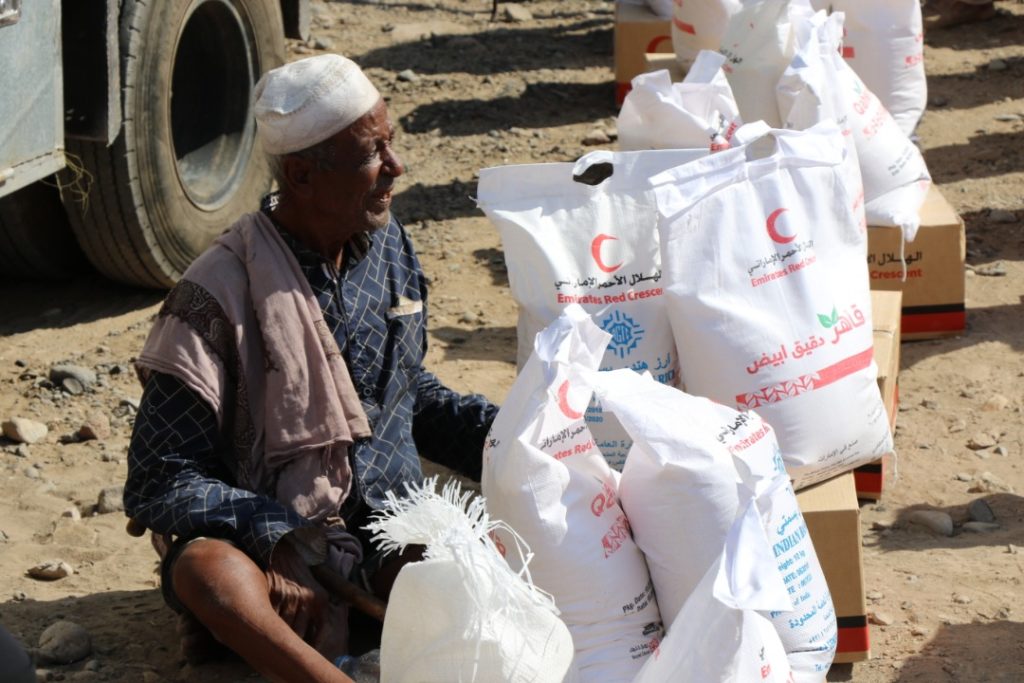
<point>177,481</point>
<point>450,428</point>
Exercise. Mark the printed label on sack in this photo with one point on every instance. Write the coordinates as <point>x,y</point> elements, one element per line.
<point>790,256</point>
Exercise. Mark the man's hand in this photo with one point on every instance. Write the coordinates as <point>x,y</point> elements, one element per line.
<point>298,598</point>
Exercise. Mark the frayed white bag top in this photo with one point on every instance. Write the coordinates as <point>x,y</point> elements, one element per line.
<point>698,25</point>
<point>543,475</point>
<point>693,466</point>
<point>819,85</point>
<point>699,112</point>
<point>462,614</point>
<point>591,242</point>
<point>769,296</point>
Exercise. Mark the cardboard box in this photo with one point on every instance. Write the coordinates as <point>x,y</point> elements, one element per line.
<point>656,61</point>
<point>933,294</point>
<point>638,31</point>
<point>885,317</point>
<point>833,520</point>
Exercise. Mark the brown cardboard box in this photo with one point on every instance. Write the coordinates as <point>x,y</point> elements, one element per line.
<point>885,316</point>
<point>638,31</point>
<point>933,294</point>
<point>833,520</point>
<point>656,61</point>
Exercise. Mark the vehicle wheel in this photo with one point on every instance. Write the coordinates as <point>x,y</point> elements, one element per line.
<point>186,163</point>
<point>36,241</point>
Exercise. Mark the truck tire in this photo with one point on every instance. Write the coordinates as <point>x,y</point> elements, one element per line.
<point>186,163</point>
<point>36,241</point>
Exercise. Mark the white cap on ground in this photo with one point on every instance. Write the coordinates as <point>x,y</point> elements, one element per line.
<point>306,102</point>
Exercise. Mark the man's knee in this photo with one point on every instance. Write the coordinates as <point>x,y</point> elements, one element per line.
<point>211,575</point>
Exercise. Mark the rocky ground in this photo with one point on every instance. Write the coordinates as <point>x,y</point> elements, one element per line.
<point>467,92</point>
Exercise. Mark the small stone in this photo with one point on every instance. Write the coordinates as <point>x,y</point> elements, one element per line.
<point>919,631</point>
<point>72,513</point>
<point>880,618</point>
<point>963,476</point>
<point>958,425</point>
<point>995,402</point>
<point>981,441</point>
<point>4,537</point>
<point>1011,549</point>
<point>85,376</point>
<point>323,44</point>
<point>875,596</point>
<point>1001,451</point>
<point>1002,216</point>
<point>1008,118</point>
<point>991,270</point>
<point>32,472</point>
<point>938,101</point>
<point>930,404</point>
<point>980,511</point>
<point>980,527</point>
<point>51,570</point>
<point>997,65</point>
<point>64,642</point>
<point>597,136</point>
<point>92,665</point>
<point>21,450</point>
<point>111,500</point>
<point>518,14</point>
<point>962,599</point>
<point>72,386</point>
<point>408,76</point>
<point>23,430</point>
<point>934,520</point>
<point>96,426</point>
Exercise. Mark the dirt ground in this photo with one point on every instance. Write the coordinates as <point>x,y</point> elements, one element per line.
<point>467,93</point>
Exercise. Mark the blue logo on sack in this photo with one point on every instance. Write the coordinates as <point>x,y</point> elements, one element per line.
<point>626,334</point>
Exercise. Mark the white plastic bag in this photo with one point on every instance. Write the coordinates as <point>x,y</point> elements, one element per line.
<point>884,43</point>
<point>462,614</point>
<point>817,85</point>
<point>569,242</point>
<point>693,466</point>
<point>699,25</point>
<point>768,295</point>
<point>699,112</point>
<point>543,475</point>
<point>759,45</point>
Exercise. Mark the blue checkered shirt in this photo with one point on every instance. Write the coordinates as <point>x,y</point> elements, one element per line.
<point>178,480</point>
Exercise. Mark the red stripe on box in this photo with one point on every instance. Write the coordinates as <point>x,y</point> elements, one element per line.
<point>848,53</point>
<point>868,484</point>
<point>915,323</point>
<point>684,27</point>
<point>621,90</point>
<point>854,639</point>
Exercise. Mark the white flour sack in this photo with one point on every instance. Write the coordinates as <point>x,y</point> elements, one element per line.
<point>462,614</point>
<point>698,25</point>
<point>818,85</point>
<point>759,45</point>
<point>884,44</point>
<point>568,242</point>
<point>768,295</point>
<point>544,477</point>
<point>692,465</point>
<point>717,636</point>
<point>699,112</point>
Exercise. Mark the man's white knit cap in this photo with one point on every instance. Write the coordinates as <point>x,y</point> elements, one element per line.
<point>306,102</point>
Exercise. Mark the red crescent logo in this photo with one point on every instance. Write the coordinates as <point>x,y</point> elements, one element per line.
<point>563,402</point>
<point>595,251</point>
<point>773,232</point>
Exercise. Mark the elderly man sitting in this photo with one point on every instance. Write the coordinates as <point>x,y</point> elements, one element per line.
<point>284,388</point>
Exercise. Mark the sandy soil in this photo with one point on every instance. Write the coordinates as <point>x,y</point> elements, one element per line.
<point>487,93</point>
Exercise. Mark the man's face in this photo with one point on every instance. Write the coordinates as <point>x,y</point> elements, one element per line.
<point>355,186</point>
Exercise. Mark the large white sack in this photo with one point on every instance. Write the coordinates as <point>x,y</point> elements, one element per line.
<point>543,475</point>
<point>699,25</point>
<point>759,45</point>
<point>717,636</point>
<point>692,466</point>
<point>568,242</point>
<point>884,43</point>
<point>819,85</point>
<point>768,295</point>
<point>699,112</point>
<point>462,614</point>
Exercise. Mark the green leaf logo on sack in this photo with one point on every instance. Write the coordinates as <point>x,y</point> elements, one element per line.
<point>827,321</point>
<point>595,251</point>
